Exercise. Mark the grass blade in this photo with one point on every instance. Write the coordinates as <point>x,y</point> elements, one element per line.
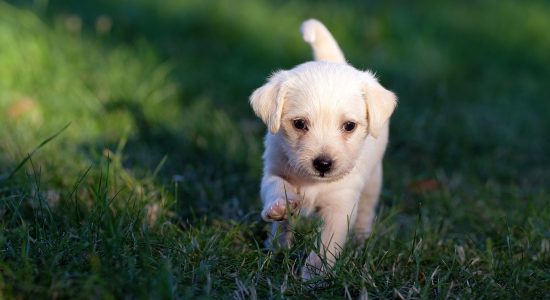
<point>29,155</point>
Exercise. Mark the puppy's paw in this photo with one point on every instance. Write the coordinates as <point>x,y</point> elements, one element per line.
<point>279,209</point>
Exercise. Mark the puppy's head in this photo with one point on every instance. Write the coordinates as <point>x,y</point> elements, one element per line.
<point>323,112</point>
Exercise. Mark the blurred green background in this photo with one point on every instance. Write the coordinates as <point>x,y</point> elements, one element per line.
<point>161,136</point>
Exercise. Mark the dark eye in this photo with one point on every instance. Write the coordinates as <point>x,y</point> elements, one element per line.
<point>349,126</point>
<point>300,124</point>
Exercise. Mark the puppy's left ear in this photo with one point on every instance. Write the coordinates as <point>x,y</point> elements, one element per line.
<point>380,104</point>
<point>268,100</point>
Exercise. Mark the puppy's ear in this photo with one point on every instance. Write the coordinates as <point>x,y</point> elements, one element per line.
<point>267,101</point>
<point>380,104</point>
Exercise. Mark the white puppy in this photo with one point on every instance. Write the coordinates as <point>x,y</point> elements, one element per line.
<point>328,130</point>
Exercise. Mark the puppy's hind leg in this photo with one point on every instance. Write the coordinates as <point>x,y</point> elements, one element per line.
<point>280,236</point>
<point>367,205</point>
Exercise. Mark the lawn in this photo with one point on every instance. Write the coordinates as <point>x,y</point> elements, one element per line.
<point>130,160</point>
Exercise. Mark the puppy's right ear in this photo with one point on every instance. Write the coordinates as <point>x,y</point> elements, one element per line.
<point>267,101</point>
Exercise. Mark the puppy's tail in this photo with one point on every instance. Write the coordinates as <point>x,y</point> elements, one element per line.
<point>325,47</point>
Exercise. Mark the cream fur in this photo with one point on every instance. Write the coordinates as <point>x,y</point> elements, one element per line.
<point>326,94</point>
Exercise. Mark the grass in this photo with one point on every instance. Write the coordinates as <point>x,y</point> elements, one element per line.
<point>152,190</point>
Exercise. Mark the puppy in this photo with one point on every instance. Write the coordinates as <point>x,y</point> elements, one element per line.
<point>328,130</point>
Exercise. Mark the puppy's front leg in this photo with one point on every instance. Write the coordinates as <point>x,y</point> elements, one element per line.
<point>337,218</point>
<point>280,199</point>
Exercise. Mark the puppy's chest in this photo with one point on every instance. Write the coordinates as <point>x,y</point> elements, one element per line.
<point>313,197</point>
<point>309,198</point>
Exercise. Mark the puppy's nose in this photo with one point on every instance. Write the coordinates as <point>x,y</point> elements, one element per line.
<point>322,164</point>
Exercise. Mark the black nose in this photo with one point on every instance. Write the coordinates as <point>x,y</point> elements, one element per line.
<point>322,164</point>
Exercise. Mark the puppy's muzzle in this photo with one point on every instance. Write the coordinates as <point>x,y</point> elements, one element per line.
<point>322,164</point>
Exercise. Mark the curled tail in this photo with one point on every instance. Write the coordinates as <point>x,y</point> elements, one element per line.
<point>325,47</point>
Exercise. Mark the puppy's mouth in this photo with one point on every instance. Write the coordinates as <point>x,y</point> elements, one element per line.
<point>330,176</point>
<point>325,175</point>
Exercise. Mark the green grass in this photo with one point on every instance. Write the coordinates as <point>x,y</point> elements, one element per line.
<point>152,190</point>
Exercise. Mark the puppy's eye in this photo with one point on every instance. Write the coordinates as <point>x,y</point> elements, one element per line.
<point>349,126</point>
<point>300,124</point>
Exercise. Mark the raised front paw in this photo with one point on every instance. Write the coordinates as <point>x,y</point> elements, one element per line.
<point>279,209</point>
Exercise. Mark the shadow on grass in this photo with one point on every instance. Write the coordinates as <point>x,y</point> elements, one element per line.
<point>214,175</point>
